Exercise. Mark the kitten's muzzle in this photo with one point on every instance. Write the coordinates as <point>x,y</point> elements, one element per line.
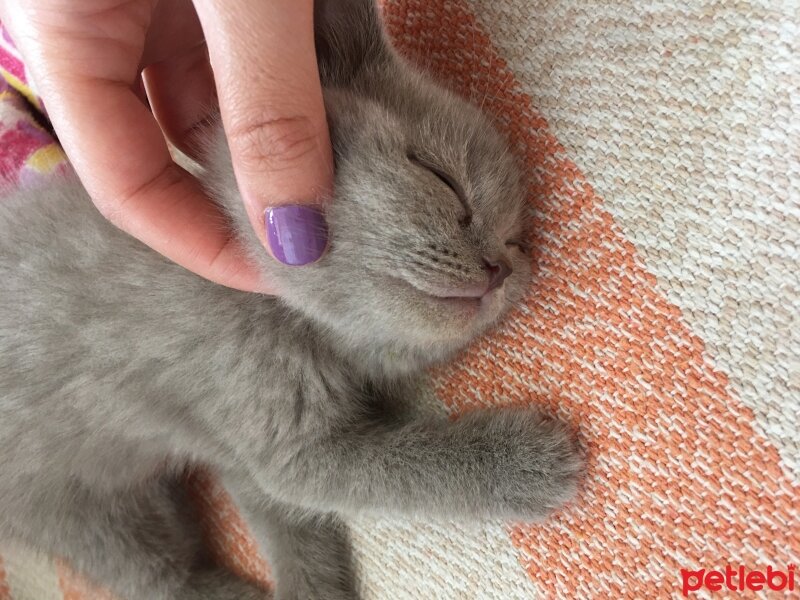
<point>496,270</point>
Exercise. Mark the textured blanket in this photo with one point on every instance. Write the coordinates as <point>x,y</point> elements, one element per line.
<point>662,143</point>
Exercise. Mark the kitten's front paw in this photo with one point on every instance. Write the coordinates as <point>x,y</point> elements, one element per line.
<point>532,463</point>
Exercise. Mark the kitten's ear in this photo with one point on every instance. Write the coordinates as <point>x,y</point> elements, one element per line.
<point>349,36</point>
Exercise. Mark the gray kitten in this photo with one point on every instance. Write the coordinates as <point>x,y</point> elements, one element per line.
<point>120,370</point>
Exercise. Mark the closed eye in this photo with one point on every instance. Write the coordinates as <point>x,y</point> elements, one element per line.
<point>521,245</point>
<point>449,182</point>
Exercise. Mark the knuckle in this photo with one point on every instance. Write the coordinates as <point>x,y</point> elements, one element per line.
<point>117,206</point>
<point>274,144</point>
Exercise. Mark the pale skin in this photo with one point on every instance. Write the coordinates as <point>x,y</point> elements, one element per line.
<point>253,59</point>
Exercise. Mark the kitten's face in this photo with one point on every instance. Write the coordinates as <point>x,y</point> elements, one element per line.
<point>426,225</point>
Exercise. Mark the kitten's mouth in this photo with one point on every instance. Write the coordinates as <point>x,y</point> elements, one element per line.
<point>467,299</point>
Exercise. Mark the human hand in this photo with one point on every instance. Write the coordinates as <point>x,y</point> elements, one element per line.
<point>86,58</point>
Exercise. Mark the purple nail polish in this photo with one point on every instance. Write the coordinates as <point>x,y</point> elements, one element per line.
<point>297,235</point>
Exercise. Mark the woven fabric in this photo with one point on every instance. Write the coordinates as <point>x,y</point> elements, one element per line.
<point>662,143</point>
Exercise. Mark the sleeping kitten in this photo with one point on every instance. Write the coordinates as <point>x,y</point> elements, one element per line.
<point>118,369</point>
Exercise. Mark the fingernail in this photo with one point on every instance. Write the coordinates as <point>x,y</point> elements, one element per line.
<point>297,235</point>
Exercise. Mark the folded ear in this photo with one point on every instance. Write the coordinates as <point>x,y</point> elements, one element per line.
<point>349,37</point>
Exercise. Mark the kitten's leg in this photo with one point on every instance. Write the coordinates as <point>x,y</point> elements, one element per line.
<point>506,464</point>
<point>141,544</point>
<point>309,553</point>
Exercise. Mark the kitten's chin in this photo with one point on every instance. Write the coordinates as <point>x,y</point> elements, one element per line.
<point>400,349</point>
<point>467,308</point>
<point>461,320</point>
<point>459,312</point>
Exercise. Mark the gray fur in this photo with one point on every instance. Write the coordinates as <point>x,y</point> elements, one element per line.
<point>120,370</point>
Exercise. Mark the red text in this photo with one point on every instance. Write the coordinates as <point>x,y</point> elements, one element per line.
<point>738,579</point>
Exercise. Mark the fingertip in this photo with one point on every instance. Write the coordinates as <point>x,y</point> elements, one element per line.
<point>231,268</point>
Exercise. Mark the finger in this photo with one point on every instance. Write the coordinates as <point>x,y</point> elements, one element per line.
<point>264,63</point>
<point>182,96</point>
<point>120,154</point>
<point>134,183</point>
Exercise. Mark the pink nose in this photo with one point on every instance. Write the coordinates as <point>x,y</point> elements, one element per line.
<point>498,271</point>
